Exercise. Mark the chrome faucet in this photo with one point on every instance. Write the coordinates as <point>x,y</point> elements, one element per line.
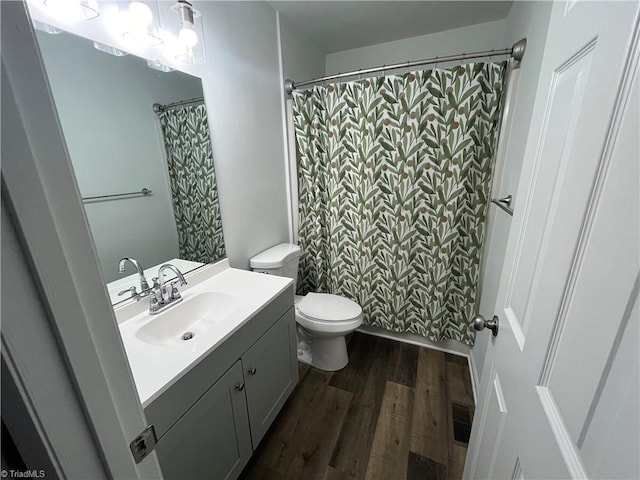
<point>164,295</point>
<point>144,285</point>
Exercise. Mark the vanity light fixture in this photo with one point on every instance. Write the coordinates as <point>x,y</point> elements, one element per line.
<point>73,10</point>
<point>156,65</point>
<point>190,39</point>
<point>109,49</point>
<point>187,35</point>
<point>141,21</point>
<point>45,27</point>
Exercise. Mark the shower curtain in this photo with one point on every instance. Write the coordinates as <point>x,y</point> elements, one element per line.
<point>393,176</point>
<point>193,183</point>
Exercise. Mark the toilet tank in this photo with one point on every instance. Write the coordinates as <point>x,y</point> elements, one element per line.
<point>280,260</point>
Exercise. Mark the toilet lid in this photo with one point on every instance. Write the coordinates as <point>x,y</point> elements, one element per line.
<point>328,307</point>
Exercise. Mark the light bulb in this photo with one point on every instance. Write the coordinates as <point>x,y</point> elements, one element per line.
<point>140,15</point>
<point>188,37</point>
<point>137,31</point>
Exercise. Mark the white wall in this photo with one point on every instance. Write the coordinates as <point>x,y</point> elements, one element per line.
<point>484,36</point>
<point>114,140</point>
<point>241,83</point>
<point>301,59</point>
<point>530,20</point>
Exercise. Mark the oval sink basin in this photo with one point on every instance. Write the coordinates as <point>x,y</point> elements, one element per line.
<point>187,320</point>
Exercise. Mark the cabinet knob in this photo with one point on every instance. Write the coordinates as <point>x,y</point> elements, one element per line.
<point>252,371</point>
<point>239,386</point>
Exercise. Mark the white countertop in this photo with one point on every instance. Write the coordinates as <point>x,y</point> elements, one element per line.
<point>155,368</point>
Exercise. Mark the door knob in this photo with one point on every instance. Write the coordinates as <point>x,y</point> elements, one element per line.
<point>252,371</point>
<point>239,386</point>
<point>479,323</point>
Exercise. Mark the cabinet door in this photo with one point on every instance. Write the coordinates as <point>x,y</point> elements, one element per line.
<point>271,373</point>
<point>211,440</point>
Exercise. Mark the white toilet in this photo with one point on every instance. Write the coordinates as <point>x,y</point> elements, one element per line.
<point>323,319</point>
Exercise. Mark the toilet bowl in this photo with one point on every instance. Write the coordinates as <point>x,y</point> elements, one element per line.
<point>323,319</point>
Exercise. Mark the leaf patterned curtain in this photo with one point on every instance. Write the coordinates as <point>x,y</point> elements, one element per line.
<point>394,175</point>
<point>193,183</point>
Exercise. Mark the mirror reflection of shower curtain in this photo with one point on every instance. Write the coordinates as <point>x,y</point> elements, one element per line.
<point>394,177</point>
<point>192,177</point>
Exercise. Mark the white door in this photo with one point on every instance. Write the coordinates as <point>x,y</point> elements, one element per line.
<point>559,395</point>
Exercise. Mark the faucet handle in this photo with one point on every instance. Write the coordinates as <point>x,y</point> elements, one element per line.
<point>131,289</point>
<point>156,282</point>
<point>154,304</point>
<point>175,295</point>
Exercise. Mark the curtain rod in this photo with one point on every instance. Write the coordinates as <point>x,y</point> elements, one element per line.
<point>516,51</point>
<point>161,108</point>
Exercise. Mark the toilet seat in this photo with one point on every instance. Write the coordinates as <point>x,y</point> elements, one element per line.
<point>328,313</point>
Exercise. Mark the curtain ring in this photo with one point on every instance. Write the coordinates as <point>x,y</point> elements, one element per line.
<point>436,63</point>
<point>359,74</point>
<point>384,70</point>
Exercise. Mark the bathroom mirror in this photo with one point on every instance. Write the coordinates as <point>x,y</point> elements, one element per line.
<point>146,174</point>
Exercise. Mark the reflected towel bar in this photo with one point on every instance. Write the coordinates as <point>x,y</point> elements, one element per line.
<point>144,192</point>
<point>504,203</point>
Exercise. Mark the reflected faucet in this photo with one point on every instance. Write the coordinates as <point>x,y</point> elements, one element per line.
<point>144,285</point>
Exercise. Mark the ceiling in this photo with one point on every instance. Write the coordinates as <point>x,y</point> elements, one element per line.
<point>334,26</point>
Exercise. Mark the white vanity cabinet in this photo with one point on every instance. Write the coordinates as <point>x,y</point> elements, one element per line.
<point>212,439</point>
<point>270,375</point>
<point>209,422</point>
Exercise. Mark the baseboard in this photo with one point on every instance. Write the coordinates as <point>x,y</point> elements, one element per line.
<point>448,346</point>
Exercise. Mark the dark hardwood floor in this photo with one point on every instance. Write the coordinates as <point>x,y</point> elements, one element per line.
<point>397,411</point>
